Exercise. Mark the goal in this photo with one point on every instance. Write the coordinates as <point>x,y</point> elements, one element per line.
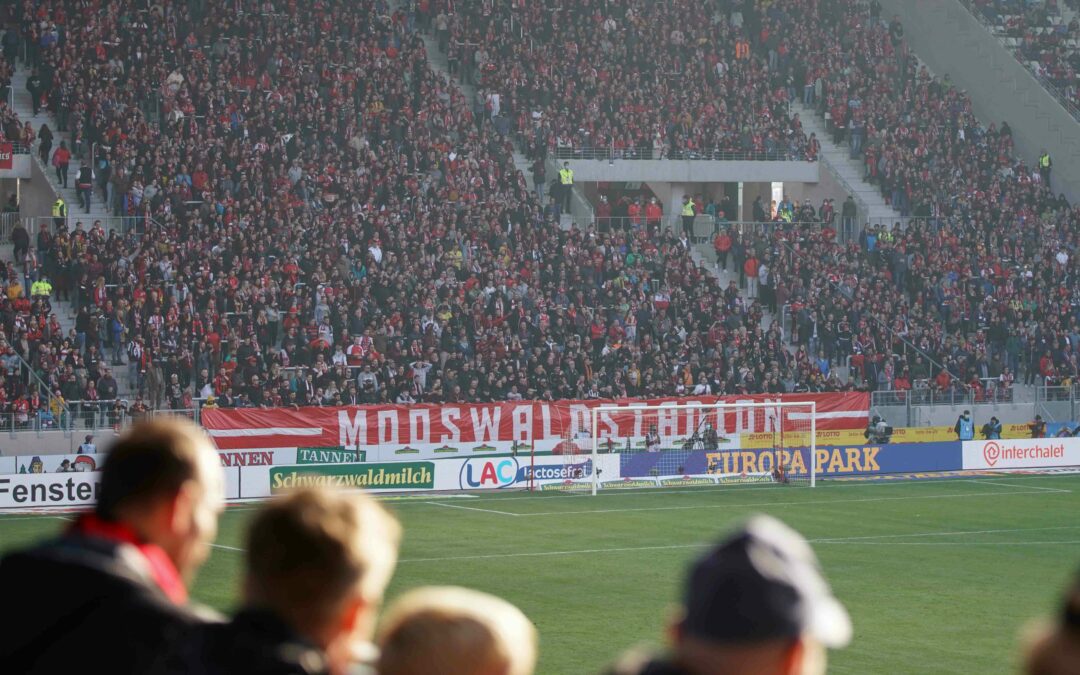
<point>705,444</point>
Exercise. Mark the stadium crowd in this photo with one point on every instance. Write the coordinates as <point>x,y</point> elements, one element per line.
<point>980,282</point>
<point>636,80</point>
<point>1043,41</point>
<point>341,210</point>
<point>333,223</point>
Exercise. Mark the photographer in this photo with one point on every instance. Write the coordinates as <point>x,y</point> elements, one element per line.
<point>711,440</point>
<point>878,432</point>
<point>992,429</point>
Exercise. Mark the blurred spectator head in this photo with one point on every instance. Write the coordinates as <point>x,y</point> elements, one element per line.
<point>321,561</point>
<point>1053,647</point>
<point>455,631</point>
<point>163,478</point>
<point>756,603</point>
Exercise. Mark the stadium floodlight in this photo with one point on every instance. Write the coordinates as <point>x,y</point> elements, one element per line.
<point>699,444</point>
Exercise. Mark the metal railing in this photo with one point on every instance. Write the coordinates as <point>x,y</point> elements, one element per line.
<point>104,415</point>
<point>674,222</point>
<point>34,382</point>
<point>121,224</point>
<point>7,226</point>
<point>991,392</point>
<point>646,152</point>
<point>18,147</point>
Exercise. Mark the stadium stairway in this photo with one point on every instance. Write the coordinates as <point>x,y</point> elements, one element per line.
<point>65,311</point>
<point>847,170</point>
<point>25,109</point>
<point>440,64</point>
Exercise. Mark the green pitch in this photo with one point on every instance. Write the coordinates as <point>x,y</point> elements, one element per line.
<point>939,575</point>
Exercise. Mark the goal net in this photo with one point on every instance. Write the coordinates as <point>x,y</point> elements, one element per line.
<point>705,444</point>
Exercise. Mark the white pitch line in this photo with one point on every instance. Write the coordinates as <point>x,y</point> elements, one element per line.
<point>830,540</point>
<point>229,548</point>
<point>826,484</point>
<point>472,508</point>
<point>844,540</point>
<point>996,493</point>
<point>954,543</point>
<point>553,553</point>
<point>1030,487</point>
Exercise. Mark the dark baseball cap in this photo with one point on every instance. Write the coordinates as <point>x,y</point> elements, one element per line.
<point>763,582</point>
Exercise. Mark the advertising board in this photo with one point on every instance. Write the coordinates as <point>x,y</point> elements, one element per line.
<point>71,489</point>
<point>1022,453</point>
<point>830,460</point>
<point>31,490</point>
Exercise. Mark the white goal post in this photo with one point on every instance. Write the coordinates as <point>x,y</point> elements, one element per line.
<point>705,443</point>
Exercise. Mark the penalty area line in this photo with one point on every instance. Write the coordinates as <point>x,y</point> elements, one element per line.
<point>804,502</point>
<point>1013,485</point>
<point>471,508</point>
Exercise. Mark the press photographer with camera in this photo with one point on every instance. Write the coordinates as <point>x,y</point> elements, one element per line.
<point>878,432</point>
<point>992,429</point>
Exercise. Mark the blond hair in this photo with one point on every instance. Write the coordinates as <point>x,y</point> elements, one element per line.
<point>455,631</point>
<point>313,550</point>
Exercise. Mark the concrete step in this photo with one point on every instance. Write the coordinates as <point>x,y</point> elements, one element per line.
<point>849,171</point>
<point>24,108</point>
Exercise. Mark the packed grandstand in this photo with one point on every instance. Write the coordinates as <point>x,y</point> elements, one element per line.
<point>306,211</point>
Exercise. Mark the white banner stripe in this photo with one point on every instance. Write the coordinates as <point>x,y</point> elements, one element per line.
<point>836,414</point>
<point>268,431</point>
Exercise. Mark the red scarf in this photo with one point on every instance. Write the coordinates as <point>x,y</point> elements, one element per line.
<point>161,567</point>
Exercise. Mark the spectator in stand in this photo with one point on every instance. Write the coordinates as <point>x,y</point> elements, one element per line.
<point>61,160</point>
<point>84,186</point>
<point>125,564</point>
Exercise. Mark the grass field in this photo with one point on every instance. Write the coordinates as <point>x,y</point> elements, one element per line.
<point>939,575</point>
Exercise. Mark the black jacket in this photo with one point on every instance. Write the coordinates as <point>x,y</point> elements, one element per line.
<point>86,605</point>
<point>255,642</point>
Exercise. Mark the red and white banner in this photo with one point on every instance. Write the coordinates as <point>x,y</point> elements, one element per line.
<point>7,156</point>
<point>501,422</point>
